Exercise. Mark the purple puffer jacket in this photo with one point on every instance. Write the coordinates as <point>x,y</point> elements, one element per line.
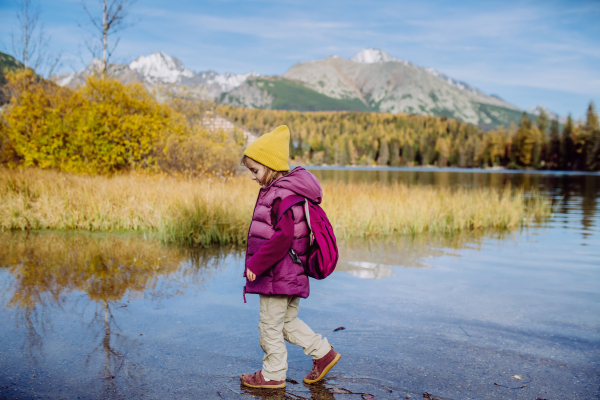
<point>285,277</point>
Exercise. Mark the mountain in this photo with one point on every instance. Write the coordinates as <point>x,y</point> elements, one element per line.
<point>372,80</point>
<point>9,63</point>
<point>387,84</point>
<point>160,69</point>
<point>537,110</point>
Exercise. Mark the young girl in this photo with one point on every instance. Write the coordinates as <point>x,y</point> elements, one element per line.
<point>272,266</point>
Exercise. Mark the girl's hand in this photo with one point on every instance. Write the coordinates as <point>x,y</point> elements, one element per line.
<point>250,275</point>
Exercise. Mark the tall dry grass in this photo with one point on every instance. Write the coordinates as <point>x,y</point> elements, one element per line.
<point>214,211</point>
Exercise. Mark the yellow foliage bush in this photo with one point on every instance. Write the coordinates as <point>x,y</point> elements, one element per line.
<point>201,153</point>
<point>104,127</point>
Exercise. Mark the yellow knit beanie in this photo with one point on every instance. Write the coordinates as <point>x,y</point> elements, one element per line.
<point>272,149</point>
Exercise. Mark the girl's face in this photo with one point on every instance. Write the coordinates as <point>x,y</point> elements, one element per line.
<point>257,170</point>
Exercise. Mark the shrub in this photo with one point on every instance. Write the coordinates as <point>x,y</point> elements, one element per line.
<point>102,127</point>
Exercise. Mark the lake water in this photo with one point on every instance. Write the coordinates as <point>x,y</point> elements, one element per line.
<point>430,317</point>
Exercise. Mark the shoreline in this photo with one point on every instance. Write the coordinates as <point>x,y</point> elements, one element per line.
<point>212,212</point>
<point>500,170</point>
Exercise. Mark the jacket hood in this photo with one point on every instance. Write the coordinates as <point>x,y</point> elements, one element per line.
<point>301,182</point>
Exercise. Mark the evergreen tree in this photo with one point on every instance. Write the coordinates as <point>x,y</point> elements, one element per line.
<point>542,121</point>
<point>554,150</point>
<point>591,120</point>
<point>526,141</point>
<point>525,122</point>
<point>592,129</point>
<point>567,146</point>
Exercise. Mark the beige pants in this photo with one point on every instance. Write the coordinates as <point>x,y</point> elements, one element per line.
<point>278,320</point>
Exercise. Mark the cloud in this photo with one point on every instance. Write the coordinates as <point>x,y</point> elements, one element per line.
<point>551,44</point>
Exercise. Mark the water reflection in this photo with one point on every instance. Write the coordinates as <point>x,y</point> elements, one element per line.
<point>576,193</point>
<point>376,258</point>
<point>89,276</point>
<point>106,268</point>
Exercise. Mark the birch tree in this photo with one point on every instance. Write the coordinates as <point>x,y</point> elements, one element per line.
<point>113,19</point>
<point>30,43</point>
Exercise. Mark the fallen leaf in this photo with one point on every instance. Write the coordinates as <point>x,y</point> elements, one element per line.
<point>523,387</point>
<point>516,377</point>
<point>291,381</point>
<point>341,328</point>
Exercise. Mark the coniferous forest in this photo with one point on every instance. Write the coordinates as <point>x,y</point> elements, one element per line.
<point>358,138</point>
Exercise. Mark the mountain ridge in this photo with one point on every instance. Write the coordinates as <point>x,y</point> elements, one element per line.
<point>372,80</point>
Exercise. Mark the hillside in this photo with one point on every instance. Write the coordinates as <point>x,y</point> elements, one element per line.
<point>278,93</point>
<point>8,63</point>
<point>372,80</point>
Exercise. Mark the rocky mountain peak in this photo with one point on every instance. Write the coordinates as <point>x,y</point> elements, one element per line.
<point>372,56</point>
<point>161,66</point>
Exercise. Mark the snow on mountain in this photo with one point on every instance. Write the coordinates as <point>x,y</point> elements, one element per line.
<point>159,66</point>
<point>158,69</point>
<point>372,56</point>
<point>537,110</point>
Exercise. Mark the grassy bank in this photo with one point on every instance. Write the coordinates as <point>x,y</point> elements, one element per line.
<point>205,212</point>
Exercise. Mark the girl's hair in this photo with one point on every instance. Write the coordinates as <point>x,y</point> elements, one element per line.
<point>270,174</point>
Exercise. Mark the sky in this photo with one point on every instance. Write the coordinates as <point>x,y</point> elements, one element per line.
<point>527,52</point>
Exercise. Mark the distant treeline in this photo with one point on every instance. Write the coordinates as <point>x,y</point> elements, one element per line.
<point>357,138</point>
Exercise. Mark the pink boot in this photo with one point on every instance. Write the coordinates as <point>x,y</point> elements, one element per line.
<point>258,381</point>
<point>322,366</point>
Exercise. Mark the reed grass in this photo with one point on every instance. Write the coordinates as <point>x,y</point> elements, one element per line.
<point>215,211</point>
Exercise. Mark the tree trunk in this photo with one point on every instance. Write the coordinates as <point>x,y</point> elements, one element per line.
<point>105,34</point>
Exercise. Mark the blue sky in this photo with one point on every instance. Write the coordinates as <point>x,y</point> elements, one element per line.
<point>527,52</point>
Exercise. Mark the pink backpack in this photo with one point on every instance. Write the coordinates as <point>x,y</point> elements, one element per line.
<point>323,252</point>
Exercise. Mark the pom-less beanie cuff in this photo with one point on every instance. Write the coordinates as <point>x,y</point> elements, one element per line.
<point>272,149</point>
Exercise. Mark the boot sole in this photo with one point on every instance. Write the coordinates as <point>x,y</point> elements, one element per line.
<point>325,371</point>
<point>280,386</point>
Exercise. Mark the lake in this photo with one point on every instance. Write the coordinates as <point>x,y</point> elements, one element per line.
<point>476,316</point>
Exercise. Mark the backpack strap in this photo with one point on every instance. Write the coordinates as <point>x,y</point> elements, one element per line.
<point>288,203</point>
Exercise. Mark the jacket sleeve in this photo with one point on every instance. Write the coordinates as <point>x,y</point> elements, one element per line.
<point>276,248</point>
